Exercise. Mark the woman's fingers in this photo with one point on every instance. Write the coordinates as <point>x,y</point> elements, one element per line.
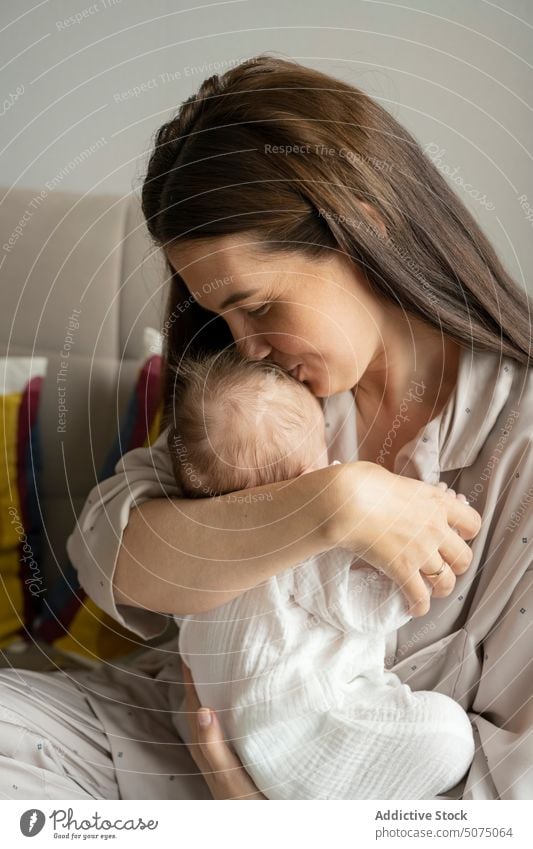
<point>456,553</point>
<point>466,522</point>
<point>230,780</point>
<point>221,768</point>
<point>216,751</point>
<point>192,705</point>
<point>445,488</point>
<point>196,719</point>
<point>462,517</point>
<point>443,584</point>
<point>417,594</point>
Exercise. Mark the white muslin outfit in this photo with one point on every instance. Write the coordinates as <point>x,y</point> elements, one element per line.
<point>296,671</point>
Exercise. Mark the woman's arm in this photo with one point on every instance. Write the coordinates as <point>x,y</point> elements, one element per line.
<point>183,556</point>
<point>190,555</point>
<point>211,550</point>
<point>186,555</point>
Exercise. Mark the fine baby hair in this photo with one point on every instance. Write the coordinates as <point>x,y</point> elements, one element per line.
<point>240,423</point>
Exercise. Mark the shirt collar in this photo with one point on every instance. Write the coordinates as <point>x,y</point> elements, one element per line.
<point>454,438</point>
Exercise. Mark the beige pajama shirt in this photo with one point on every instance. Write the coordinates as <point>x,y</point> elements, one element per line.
<point>109,732</point>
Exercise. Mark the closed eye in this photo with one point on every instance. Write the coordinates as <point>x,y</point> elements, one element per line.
<point>262,310</point>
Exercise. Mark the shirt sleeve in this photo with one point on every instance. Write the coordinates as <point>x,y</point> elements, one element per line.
<point>495,682</point>
<point>362,599</point>
<point>94,544</point>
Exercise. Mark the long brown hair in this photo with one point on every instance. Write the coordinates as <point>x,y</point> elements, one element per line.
<point>292,157</point>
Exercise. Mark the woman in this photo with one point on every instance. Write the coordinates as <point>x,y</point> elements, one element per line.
<point>300,222</point>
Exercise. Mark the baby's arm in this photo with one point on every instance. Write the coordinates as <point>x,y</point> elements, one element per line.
<point>363,600</point>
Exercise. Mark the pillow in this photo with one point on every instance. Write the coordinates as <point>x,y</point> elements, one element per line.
<point>70,620</point>
<point>21,584</point>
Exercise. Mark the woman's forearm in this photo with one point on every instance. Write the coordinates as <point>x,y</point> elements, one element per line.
<point>186,556</point>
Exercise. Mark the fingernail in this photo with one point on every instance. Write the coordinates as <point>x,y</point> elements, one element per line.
<point>204,718</point>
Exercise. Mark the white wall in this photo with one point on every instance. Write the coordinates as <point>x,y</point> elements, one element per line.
<point>458,74</point>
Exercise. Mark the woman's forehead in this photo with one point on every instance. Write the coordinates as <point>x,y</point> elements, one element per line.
<point>234,251</point>
<point>215,270</point>
<point>209,268</point>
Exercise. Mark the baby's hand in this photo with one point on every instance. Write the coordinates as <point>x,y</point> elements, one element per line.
<point>452,492</point>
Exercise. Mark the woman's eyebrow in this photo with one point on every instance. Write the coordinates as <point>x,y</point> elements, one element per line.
<point>237,296</point>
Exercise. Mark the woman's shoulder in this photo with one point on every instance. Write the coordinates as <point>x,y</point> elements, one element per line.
<point>497,394</point>
<point>142,473</point>
<point>509,422</point>
<point>519,404</point>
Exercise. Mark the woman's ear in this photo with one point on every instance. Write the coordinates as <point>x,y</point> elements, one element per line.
<point>376,220</point>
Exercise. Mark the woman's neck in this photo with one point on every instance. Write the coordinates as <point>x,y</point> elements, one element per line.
<point>415,363</point>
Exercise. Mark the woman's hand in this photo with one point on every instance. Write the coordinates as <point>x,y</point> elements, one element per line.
<point>223,772</point>
<point>404,527</point>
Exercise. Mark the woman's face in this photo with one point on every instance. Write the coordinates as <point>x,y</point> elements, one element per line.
<point>315,318</point>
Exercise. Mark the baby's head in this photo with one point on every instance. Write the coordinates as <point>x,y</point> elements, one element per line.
<point>241,423</point>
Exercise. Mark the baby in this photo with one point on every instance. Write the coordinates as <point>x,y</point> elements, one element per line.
<point>295,666</point>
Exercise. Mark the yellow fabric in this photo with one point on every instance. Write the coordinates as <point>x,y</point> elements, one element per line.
<point>92,633</point>
<point>11,597</point>
<point>154,429</point>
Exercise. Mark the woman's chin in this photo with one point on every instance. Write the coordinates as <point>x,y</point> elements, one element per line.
<point>309,384</point>
<point>319,390</point>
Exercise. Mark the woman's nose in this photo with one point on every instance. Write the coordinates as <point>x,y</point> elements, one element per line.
<point>253,347</point>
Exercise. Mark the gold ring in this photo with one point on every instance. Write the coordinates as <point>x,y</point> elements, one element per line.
<point>435,574</point>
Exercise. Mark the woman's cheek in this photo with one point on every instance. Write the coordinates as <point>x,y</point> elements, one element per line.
<point>283,338</point>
